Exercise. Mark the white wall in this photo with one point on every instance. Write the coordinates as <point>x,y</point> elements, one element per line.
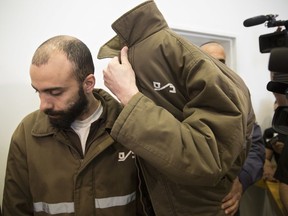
<point>26,24</point>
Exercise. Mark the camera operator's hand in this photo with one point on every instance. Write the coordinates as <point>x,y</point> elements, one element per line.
<point>268,171</point>
<point>279,29</point>
<point>278,146</point>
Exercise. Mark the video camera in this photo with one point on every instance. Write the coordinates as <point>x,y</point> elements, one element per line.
<point>277,44</point>
<point>273,40</point>
<point>278,63</point>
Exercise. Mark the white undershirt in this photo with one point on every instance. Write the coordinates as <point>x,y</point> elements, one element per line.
<point>82,128</point>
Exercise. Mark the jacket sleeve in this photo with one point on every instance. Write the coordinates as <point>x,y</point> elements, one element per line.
<point>200,149</point>
<point>17,198</point>
<point>252,169</point>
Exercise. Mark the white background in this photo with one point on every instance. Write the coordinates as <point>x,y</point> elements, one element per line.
<point>24,24</point>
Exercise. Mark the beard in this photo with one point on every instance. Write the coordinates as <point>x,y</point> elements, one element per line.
<point>64,118</point>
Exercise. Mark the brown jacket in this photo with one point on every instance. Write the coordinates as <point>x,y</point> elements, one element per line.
<point>191,124</point>
<point>47,175</point>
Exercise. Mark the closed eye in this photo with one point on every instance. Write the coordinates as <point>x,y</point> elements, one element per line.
<point>57,91</point>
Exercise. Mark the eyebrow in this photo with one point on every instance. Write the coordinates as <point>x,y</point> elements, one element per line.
<point>48,89</point>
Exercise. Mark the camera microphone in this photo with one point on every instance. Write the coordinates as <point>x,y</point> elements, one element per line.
<point>261,19</point>
<point>257,20</point>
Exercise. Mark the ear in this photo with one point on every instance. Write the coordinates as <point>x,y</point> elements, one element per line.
<point>89,83</point>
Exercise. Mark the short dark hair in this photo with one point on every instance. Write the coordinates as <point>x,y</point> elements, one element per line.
<point>75,50</point>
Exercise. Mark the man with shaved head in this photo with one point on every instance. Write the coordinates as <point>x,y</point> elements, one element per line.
<point>253,167</point>
<point>216,50</point>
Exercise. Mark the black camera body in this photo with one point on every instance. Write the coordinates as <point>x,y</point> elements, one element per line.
<point>278,64</point>
<point>280,120</point>
<point>273,40</point>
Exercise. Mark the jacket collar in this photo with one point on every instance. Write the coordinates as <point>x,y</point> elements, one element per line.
<point>42,126</point>
<point>133,27</point>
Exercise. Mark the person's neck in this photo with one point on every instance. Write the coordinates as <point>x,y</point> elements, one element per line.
<point>93,104</point>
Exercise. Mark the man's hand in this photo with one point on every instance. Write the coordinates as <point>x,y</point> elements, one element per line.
<point>268,171</point>
<point>231,201</point>
<point>278,146</point>
<point>119,77</point>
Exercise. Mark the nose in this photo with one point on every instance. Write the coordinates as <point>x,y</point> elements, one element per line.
<point>45,103</point>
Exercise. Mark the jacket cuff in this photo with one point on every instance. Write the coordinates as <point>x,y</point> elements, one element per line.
<point>245,180</point>
<point>125,113</point>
